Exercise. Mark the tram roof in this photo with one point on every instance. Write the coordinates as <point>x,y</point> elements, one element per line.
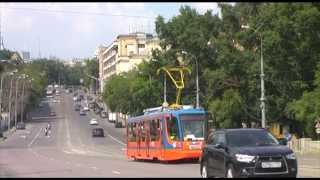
<point>166,111</point>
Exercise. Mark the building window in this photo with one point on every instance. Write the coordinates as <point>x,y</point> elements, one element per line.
<point>141,45</point>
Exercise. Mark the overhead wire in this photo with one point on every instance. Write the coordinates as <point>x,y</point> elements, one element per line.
<point>78,12</point>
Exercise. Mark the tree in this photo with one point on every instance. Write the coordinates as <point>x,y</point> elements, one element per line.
<point>91,69</point>
<point>307,108</point>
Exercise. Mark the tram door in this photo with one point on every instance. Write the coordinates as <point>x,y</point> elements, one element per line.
<point>144,140</point>
<point>139,127</point>
<point>147,138</point>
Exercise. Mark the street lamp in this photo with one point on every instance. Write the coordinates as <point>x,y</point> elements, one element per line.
<point>10,94</point>
<point>262,99</point>
<point>1,92</point>
<point>197,78</point>
<point>96,80</point>
<point>16,101</point>
<point>24,76</point>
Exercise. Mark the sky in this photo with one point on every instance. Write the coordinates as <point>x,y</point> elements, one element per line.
<point>75,30</point>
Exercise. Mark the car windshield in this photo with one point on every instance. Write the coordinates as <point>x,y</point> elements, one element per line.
<point>193,126</point>
<point>250,138</point>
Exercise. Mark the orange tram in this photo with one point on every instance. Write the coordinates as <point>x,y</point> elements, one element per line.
<point>166,134</point>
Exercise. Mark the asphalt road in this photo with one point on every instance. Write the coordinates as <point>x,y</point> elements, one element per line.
<point>71,151</point>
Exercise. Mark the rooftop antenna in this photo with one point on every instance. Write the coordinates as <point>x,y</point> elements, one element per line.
<point>1,37</point>
<point>39,47</point>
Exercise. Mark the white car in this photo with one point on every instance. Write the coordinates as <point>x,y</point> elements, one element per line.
<point>75,98</point>
<point>86,108</point>
<point>93,122</point>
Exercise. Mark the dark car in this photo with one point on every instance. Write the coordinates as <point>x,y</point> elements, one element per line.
<point>81,97</point>
<point>246,152</point>
<point>77,107</point>
<point>21,125</point>
<point>97,132</point>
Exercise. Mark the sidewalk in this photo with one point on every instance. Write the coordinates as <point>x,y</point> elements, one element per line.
<point>7,134</point>
<point>308,165</point>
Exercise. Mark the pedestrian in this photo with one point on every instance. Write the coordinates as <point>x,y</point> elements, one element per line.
<point>49,126</point>
<point>46,131</point>
<point>288,136</point>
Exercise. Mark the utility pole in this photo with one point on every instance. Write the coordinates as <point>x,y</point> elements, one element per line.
<point>16,103</point>
<point>1,37</point>
<point>262,99</point>
<point>263,106</point>
<point>22,98</point>
<point>39,47</point>
<point>1,120</point>
<point>197,82</point>
<point>10,104</point>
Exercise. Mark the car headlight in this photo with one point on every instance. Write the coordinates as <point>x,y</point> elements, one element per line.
<point>291,156</point>
<point>244,158</point>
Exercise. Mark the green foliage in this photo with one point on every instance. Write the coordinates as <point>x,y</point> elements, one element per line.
<point>131,92</point>
<point>92,69</point>
<point>307,108</point>
<point>229,63</point>
<point>227,110</point>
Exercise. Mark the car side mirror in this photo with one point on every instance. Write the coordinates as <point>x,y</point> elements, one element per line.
<point>220,146</point>
<point>283,141</point>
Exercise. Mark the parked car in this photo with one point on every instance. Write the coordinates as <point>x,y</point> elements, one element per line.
<point>82,113</point>
<point>104,114</point>
<point>93,122</point>
<point>21,125</point>
<point>91,105</point>
<point>246,152</point>
<point>97,132</point>
<point>86,108</point>
<point>52,113</point>
<point>77,107</point>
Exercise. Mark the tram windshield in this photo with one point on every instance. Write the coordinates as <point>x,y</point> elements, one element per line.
<point>193,126</point>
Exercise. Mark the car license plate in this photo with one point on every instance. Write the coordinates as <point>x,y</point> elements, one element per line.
<point>271,164</point>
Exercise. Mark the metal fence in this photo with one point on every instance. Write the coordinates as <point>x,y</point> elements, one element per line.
<point>304,146</point>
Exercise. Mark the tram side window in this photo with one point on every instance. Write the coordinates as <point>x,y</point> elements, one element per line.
<point>143,131</point>
<point>172,124</point>
<point>154,132</point>
<point>131,132</point>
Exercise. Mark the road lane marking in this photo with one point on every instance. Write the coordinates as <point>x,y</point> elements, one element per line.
<point>115,172</point>
<point>116,140</point>
<point>35,137</point>
<point>47,117</point>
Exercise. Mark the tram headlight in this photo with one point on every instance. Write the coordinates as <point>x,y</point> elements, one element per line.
<point>174,144</point>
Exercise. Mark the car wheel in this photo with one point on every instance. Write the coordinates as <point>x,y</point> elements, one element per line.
<point>204,173</point>
<point>230,171</point>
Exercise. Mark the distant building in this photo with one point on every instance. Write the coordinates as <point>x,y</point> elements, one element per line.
<point>124,53</point>
<point>25,55</point>
<point>74,61</point>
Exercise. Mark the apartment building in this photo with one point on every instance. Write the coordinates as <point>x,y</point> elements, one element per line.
<point>124,53</point>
